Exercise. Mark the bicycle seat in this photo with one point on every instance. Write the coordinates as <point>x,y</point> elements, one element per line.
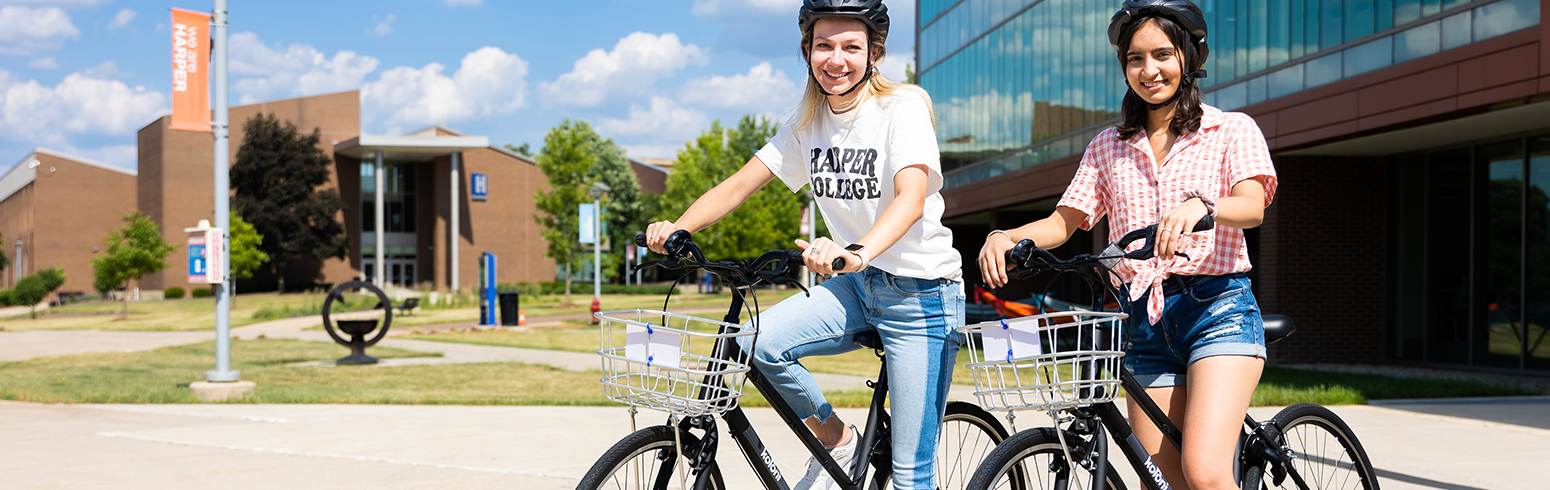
<point>1277,327</point>
<point>869,339</point>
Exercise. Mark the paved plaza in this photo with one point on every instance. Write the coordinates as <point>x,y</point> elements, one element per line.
<point>1492,443</point>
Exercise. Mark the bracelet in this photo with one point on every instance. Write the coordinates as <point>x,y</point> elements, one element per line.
<point>1002,232</point>
<point>1204,199</point>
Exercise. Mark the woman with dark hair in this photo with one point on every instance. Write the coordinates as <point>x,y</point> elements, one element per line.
<point>1197,339</point>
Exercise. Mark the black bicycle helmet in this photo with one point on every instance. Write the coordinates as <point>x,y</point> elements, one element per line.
<point>870,12</point>
<point>1181,12</point>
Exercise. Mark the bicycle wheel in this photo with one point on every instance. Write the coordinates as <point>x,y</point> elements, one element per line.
<point>1325,453</point>
<point>1032,459</point>
<point>643,460</point>
<point>969,433</point>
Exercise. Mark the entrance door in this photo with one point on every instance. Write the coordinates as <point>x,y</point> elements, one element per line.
<point>399,272</point>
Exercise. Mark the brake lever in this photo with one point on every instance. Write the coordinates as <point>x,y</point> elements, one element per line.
<point>780,279</point>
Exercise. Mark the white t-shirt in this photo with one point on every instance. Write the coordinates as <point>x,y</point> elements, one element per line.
<point>850,160</point>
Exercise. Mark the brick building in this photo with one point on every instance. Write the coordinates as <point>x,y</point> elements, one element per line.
<point>445,198</point>
<point>45,222</point>
<point>1411,139</point>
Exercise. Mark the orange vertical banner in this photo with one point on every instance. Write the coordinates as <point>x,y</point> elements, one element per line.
<point>190,79</point>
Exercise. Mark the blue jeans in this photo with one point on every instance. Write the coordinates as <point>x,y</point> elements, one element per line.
<point>915,319</point>
<point>1203,316</point>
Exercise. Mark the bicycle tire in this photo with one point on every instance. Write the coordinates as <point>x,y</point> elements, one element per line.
<point>655,444</point>
<point>1033,452</point>
<point>1327,454</point>
<point>969,434</point>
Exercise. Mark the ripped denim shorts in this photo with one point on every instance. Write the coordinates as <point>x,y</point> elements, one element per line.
<point>1203,316</point>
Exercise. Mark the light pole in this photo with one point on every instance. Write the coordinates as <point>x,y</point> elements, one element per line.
<point>597,191</point>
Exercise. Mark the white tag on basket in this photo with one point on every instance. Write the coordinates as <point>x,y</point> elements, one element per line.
<point>1007,341</point>
<point>651,345</point>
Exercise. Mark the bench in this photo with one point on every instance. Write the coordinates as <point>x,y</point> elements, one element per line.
<point>408,306</point>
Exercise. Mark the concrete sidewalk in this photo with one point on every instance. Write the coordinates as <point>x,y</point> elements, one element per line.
<point>348,446</point>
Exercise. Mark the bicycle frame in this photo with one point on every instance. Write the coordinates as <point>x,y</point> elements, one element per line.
<point>747,439</point>
<point>1257,439</point>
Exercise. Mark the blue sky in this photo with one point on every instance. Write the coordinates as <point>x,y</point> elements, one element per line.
<point>81,76</point>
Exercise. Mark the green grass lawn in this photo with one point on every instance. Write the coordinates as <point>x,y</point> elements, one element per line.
<point>199,314</point>
<point>163,376</point>
<point>157,316</point>
<point>1278,386</point>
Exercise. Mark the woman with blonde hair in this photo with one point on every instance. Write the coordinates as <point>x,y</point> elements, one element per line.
<point>867,146</point>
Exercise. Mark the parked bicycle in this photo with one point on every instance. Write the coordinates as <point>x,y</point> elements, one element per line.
<point>1068,364</point>
<point>693,369</point>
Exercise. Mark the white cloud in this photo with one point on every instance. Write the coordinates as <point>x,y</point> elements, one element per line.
<point>664,119</point>
<point>892,67</point>
<point>79,105</point>
<point>262,73</point>
<point>122,19</point>
<point>385,27</point>
<point>25,30</point>
<point>456,3</point>
<point>763,88</point>
<point>635,63</point>
<point>489,81</point>
<point>48,63</point>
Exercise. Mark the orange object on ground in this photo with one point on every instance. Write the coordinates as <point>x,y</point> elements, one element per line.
<point>521,319</point>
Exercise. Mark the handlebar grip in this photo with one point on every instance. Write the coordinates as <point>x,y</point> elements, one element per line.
<point>1020,254</point>
<point>1206,223</point>
<point>838,265</point>
<point>640,239</point>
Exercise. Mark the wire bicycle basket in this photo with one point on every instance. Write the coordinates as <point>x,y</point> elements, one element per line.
<point>667,362</point>
<point>1051,361</point>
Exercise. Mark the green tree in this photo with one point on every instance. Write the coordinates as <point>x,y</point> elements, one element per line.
<point>278,178</point>
<point>32,289</point>
<point>4,261</point>
<point>909,75</point>
<point>624,206</point>
<point>134,251</point>
<point>525,149</point>
<point>246,255</point>
<point>768,220</point>
<point>566,160</point>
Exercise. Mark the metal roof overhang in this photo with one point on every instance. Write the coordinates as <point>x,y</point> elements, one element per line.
<point>366,146</point>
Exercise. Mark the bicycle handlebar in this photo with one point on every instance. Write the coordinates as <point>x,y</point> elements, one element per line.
<point>1023,254</point>
<point>680,245</point>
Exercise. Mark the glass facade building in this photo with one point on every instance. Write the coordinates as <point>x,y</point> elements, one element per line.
<point>1016,83</point>
<point>1403,133</point>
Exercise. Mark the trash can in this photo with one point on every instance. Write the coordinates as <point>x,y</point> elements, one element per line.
<point>510,304</point>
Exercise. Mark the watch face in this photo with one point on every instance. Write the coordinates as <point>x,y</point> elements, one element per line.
<point>855,247</point>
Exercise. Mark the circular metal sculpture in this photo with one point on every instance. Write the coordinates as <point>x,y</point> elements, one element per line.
<point>357,329</point>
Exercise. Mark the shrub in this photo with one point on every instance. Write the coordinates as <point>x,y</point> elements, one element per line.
<point>201,293</point>
<point>7,297</point>
<point>172,293</point>
<point>32,289</point>
<point>586,288</point>
<point>526,288</point>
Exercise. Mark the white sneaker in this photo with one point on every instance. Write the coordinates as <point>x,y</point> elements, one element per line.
<point>817,477</point>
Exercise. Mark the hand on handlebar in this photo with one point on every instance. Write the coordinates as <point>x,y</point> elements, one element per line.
<point>1175,224</point>
<point>826,257</point>
<point>992,260</point>
<point>657,234</point>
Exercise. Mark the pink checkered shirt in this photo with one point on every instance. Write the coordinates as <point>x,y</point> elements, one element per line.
<point>1122,179</point>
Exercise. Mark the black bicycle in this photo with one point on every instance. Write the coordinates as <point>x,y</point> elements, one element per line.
<point>665,374</point>
<point>1305,446</point>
